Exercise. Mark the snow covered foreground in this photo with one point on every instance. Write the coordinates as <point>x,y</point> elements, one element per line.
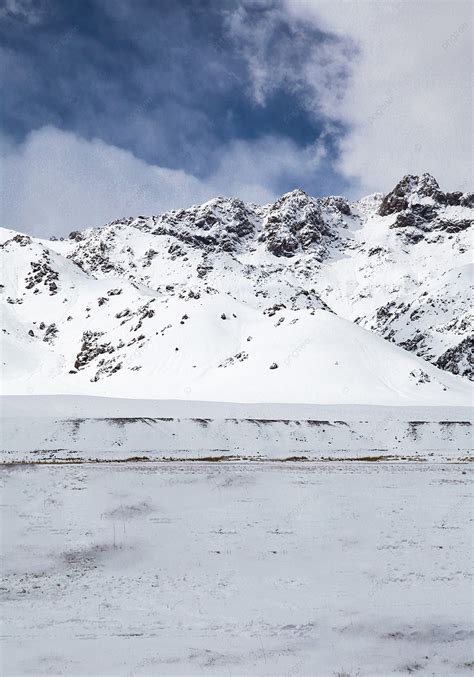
<point>203,569</point>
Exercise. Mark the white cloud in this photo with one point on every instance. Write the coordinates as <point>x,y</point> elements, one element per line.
<point>55,181</point>
<point>249,170</point>
<point>408,104</point>
<point>282,51</point>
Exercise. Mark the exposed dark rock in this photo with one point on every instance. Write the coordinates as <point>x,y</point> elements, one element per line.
<point>453,226</point>
<point>221,224</point>
<point>42,272</point>
<point>76,235</point>
<point>459,359</point>
<point>413,344</point>
<point>337,202</point>
<point>51,333</point>
<point>398,199</point>
<point>454,198</point>
<point>107,368</point>
<point>420,376</point>
<point>424,218</point>
<point>295,221</point>
<point>203,269</point>
<point>467,200</point>
<point>274,309</point>
<point>418,216</point>
<point>238,357</point>
<point>149,256</point>
<point>91,348</point>
<point>22,240</point>
<point>175,249</point>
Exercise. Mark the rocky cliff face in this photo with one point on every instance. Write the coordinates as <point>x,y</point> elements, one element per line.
<point>397,265</point>
<point>421,207</point>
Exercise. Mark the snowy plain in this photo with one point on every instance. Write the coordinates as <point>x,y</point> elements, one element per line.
<point>83,428</point>
<point>193,569</point>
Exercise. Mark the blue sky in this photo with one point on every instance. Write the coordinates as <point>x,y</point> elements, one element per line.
<point>198,97</point>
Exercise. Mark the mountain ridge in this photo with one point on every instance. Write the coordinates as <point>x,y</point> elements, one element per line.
<point>276,280</point>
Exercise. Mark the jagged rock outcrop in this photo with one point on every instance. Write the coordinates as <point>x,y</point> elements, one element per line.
<point>220,224</point>
<point>421,207</point>
<point>459,359</point>
<point>295,222</point>
<point>411,190</point>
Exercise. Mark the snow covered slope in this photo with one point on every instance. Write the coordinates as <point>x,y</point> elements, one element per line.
<point>235,302</point>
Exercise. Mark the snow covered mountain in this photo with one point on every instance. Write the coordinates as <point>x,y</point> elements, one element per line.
<point>288,302</point>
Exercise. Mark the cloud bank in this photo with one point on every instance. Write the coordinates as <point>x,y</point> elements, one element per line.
<point>408,104</point>
<point>55,181</point>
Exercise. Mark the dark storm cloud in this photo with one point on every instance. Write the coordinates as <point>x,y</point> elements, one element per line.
<point>172,82</point>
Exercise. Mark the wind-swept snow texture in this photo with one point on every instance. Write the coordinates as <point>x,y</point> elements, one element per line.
<point>290,570</point>
<point>304,300</point>
<point>80,428</point>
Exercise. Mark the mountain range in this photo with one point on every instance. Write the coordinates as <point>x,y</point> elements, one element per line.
<point>310,300</point>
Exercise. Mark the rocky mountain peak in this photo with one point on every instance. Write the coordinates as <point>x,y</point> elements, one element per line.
<point>415,190</point>
<point>142,282</point>
<point>295,223</point>
<point>296,195</point>
<point>220,224</point>
<point>420,207</point>
<point>408,191</point>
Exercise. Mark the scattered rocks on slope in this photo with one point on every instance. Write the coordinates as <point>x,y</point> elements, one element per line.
<point>22,240</point>
<point>420,376</point>
<point>149,256</point>
<point>203,269</point>
<point>238,357</point>
<point>42,272</point>
<point>91,348</point>
<point>51,333</point>
<point>274,309</point>
<point>92,253</point>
